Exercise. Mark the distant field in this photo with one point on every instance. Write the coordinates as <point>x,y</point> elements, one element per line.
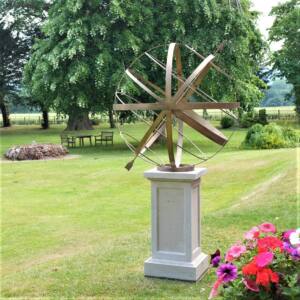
<point>21,116</point>
<point>276,112</point>
<point>31,118</point>
<point>274,109</point>
<point>290,109</point>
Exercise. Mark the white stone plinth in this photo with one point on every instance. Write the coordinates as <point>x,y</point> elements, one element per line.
<point>176,251</point>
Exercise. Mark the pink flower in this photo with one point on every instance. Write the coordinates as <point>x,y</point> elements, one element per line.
<point>215,288</point>
<point>235,252</point>
<point>251,244</point>
<point>263,259</point>
<point>286,234</point>
<point>250,285</point>
<point>267,227</point>
<point>252,234</point>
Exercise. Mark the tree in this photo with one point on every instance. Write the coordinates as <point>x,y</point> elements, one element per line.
<point>12,57</point>
<point>229,25</point>
<point>87,44</point>
<point>82,55</point>
<point>286,29</point>
<point>20,21</point>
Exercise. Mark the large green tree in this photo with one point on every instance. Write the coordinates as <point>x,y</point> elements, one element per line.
<point>88,43</point>
<point>286,29</point>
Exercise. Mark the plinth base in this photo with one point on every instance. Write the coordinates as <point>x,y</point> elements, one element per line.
<point>176,228</point>
<point>189,271</point>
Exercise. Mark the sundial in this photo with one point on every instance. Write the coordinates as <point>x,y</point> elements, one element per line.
<point>172,104</point>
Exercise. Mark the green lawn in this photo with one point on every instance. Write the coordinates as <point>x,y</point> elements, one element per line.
<point>81,228</point>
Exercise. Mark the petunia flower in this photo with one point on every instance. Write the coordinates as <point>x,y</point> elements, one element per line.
<point>215,288</point>
<point>215,258</point>
<point>235,252</point>
<point>251,244</point>
<point>295,237</point>
<point>267,227</point>
<point>228,272</point>
<point>269,243</point>
<point>263,259</point>
<point>252,234</point>
<point>294,252</point>
<point>251,285</point>
<point>216,261</point>
<point>287,247</point>
<point>265,276</point>
<point>286,235</point>
<point>250,269</point>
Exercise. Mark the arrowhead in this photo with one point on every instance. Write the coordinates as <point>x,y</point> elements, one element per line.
<point>129,165</point>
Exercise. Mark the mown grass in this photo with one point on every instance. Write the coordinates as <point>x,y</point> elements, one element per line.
<point>81,228</point>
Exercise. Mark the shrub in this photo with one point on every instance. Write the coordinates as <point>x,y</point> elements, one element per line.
<point>248,119</point>
<point>253,135</point>
<point>271,136</point>
<point>227,122</point>
<point>291,136</point>
<point>262,117</point>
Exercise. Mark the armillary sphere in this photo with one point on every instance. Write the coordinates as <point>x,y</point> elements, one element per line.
<point>172,105</point>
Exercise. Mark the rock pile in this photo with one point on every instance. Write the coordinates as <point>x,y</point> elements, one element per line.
<point>35,151</point>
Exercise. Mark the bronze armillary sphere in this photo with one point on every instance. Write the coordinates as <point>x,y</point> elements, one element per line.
<point>173,103</point>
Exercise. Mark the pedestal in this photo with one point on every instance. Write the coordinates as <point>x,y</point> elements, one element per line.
<point>176,230</point>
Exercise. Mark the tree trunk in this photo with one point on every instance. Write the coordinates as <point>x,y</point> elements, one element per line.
<point>5,114</point>
<point>79,120</point>
<point>297,102</point>
<point>111,118</point>
<point>45,121</point>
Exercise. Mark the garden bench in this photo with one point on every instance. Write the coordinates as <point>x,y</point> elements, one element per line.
<point>66,140</point>
<point>105,136</point>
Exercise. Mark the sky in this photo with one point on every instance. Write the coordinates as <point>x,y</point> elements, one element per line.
<point>265,21</point>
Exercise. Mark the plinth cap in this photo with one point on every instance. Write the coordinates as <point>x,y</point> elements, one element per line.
<point>154,174</point>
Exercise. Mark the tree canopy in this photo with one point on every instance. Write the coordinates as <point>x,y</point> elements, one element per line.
<point>286,29</point>
<point>87,44</point>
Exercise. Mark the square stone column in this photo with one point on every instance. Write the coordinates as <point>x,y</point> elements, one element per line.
<point>176,231</point>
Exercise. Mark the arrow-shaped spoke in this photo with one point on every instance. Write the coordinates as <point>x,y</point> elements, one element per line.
<point>146,137</point>
<point>201,125</point>
<point>159,132</point>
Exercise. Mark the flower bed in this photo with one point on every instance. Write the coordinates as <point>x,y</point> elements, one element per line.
<point>35,151</point>
<point>266,265</point>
